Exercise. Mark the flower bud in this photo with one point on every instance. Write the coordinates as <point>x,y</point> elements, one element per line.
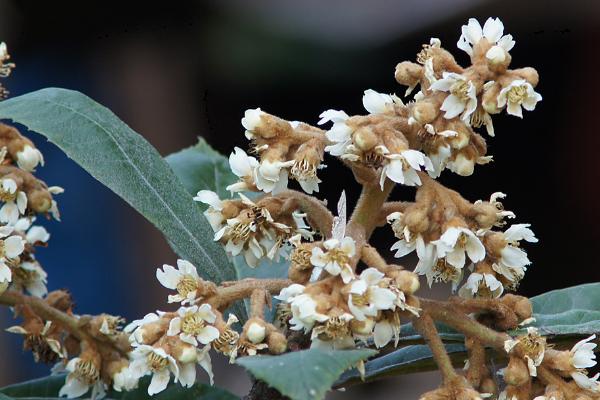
<point>425,112</point>
<point>462,165</point>
<point>29,158</point>
<point>516,373</point>
<point>407,281</point>
<point>416,219</point>
<point>489,98</point>
<point>256,332</point>
<point>183,352</point>
<point>520,305</point>
<point>529,74</point>
<point>408,73</point>
<point>277,342</point>
<point>362,328</point>
<point>365,139</point>
<point>39,200</point>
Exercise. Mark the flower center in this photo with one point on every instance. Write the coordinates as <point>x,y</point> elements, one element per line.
<point>157,363</point>
<point>444,272</point>
<point>478,118</point>
<point>226,341</point>
<point>517,94</point>
<point>334,328</point>
<point>192,324</point>
<point>186,285</point>
<point>300,258</point>
<point>460,89</point>
<point>303,170</point>
<point>7,196</point>
<point>532,344</point>
<point>338,256</point>
<point>373,159</point>
<point>360,299</point>
<point>87,372</point>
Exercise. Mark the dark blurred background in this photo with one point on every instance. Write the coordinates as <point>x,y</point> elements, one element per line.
<point>178,70</point>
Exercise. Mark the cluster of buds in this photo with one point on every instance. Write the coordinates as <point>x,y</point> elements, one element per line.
<point>528,354</point>
<point>449,234</point>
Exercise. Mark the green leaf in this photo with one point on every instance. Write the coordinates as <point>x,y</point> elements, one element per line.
<point>201,167</point>
<point>304,374</point>
<point>570,311</point>
<point>126,163</point>
<point>406,360</point>
<point>48,388</point>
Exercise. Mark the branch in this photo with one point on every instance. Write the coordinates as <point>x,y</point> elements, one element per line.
<point>231,292</point>
<point>426,327</point>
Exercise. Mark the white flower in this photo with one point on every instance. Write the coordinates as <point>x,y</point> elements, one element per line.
<point>215,206</point>
<point>82,376</point>
<point>513,261</point>
<point>532,345</point>
<point>493,30</point>
<point>136,328</point>
<point>29,158</point>
<point>244,167</point>
<point>304,312</point>
<point>477,282</point>
<point>333,333</point>
<point>402,168</point>
<point>587,383</point>
<point>462,98</point>
<point>184,279</point>
<point>408,242</point>
<point>582,354</point>
<point>35,279</point>
<point>339,134</point>
<point>251,120</point>
<point>366,297</point>
<point>377,103</point>
<point>10,247</point>
<point>455,242</point>
<point>386,330</point>
<point>192,325</point>
<point>155,361</point>
<point>288,293</point>
<point>272,176</point>
<point>15,201</point>
<point>518,93</point>
<point>335,259</point>
<point>124,380</point>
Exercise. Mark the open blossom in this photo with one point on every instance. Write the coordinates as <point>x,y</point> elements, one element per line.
<point>82,375</point>
<point>367,297</point>
<point>215,206</point>
<point>30,276</point>
<point>10,247</point>
<point>339,134</point>
<point>333,333</point>
<point>492,31</point>
<point>184,279</point>
<point>462,98</point>
<point>457,241</point>
<point>15,201</point>
<point>532,346</point>
<point>408,242</point>
<point>585,382</point>
<point>192,325</point>
<point>402,167</point>
<point>303,308</point>
<point>377,103</point>
<point>481,284</point>
<point>136,327</point>
<point>251,120</point>
<point>155,361</point>
<point>513,261</point>
<point>582,354</point>
<point>335,260</point>
<point>29,158</point>
<point>244,167</point>
<point>519,93</point>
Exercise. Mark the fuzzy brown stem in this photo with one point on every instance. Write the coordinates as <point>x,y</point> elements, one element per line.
<point>372,258</point>
<point>318,214</point>
<point>258,301</point>
<point>69,323</point>
<point>369,205</point>
<point>426,327</point>
<point>242,289</point>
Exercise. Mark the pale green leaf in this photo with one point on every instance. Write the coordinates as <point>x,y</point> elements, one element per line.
<point>304,374</point>
<point>200,167</point>
<point>126,163</point>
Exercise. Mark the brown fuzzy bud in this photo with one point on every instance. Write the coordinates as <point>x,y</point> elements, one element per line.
<point>529,74</point>
<point>463,165</point>
<point>408,73</point>
<point>277,342</point>
<point>425,112</point>
<point>365,139</point>
<point>180,350</point>
<point>520,305</point>
<point>407,281</point>
<point>60,299</point>
<point>489,98</point>
<point>363,328</point>
<point>416,219</point>
<point>149,333</point>
<point>516,373</point>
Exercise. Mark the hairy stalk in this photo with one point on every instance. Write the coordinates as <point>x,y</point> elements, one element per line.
<point>228,294</point>
<point>319,215</point>
<point>372,258</point>
<point>426,327</point>
<point>71,324</point>
<point>369,205</point>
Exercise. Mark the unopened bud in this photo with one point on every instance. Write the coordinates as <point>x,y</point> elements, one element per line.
<point>277,342</point>
<point>365,139</point>
<point>408,73</point>
<point>416,219</point>
<point>462,165</point>
<point>151,332</point>
<point>425,112</point>
<point>363,328</point>
<point>183,352</point>
<point>39,200</point>
<point>486,214</point>
<point>407,281</point>
<point>516,373</point>
<point>460,140</point>
<point>529,74</point>
<point>256,332</point>
<point>520,305</point>
<point>489,98</point>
